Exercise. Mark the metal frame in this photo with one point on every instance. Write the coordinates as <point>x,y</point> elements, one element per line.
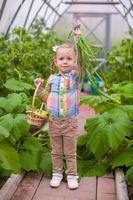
<point>27,16</point>
<point>39,9</point>
<point>92,2</point>
<point>14,17</point>
<point>57,15</point>
<point>105,17</point>
<point>2,8</point>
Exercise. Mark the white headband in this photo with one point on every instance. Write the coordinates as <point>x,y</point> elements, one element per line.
<point>55,48</point>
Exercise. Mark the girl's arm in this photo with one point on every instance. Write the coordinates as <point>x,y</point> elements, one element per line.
<point>78,68</point>
<point>43,92</point>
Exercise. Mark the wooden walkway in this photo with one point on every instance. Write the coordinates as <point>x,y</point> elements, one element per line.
<point>35,186</point>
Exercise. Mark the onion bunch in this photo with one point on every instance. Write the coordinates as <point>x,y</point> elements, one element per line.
<point>86,61</point>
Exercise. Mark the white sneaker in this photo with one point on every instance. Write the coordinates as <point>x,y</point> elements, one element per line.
<point>56,180</point>
<point>72,182</point>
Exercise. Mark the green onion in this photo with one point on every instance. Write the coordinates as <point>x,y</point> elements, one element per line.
<point>86,60</point>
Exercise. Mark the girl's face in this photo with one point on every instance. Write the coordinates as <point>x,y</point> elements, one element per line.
<point>65,59</point>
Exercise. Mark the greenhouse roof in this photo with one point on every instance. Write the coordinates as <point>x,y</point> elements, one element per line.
<point>24,12</point>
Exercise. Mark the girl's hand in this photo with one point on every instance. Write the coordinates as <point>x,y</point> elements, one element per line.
<point>77,30</point>
<point>38,80</point>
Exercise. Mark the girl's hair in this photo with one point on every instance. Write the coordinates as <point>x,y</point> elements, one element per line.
<point>62,46</point>
<point>65,46</point>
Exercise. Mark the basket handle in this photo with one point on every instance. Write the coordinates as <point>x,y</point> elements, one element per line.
<point>34,96</point>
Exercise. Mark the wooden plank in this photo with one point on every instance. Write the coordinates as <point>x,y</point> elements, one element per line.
<point>121,187</point>
<point>28,186</point>
<point>10,186</point>
<point>106,188</point>
<point>87,190</point>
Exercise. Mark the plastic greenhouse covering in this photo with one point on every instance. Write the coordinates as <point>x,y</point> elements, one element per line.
<point>103,21</point>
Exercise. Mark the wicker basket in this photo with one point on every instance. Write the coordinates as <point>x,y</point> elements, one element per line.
<point>32,117</point>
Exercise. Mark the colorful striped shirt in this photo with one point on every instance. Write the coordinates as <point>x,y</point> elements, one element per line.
<point>63,96</point>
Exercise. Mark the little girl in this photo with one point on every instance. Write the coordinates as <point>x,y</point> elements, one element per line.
<point>61,96</point>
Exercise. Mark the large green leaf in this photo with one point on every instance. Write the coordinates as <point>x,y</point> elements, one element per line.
<point>118,111</point>
<point>97,169</point>
<point>125,89</point>
<point>46,163</point>
<point>7,121</point>
<point>100,104</point>
<point>129,174</point>
<point>83,166</point>
<point>3,133</point>
<point>30,160</point>
<point>9,158</point>
<point>91,168</point>
<point>24,101</point>
<point>129,110</point>
<point>32,144</point>
<point>97,141</point>
<point>16,125</point>
<point>120,59</point>
<point>30,154</point>
<point>15,85</point>
<point>122,158</point>
<point>14,102</point>
<point>82,140</point>
<point>21,127</point>
<point>91,100</point>
<point>10,102</point>
<point>107,131</point>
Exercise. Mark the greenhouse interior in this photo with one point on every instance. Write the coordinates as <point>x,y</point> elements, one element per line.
<point>66,99</point>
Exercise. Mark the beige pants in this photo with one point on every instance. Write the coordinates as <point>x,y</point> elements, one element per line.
<point>63,137</point>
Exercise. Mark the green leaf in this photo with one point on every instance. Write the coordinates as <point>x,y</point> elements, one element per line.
<point>30,160</point>
<point>82,140</point>
<point>129,142</point>
<point>106,131</point>
<point>83,166</point>
<point>118,111</point>
<point>16,126</point>
<point>9,158</point>
<point>92,101</point>
<point>120,59</point>
<point>3,133</point>
<point>91,168</point>
<point>21,127</point>
<point>125,89</point>
<point>97,141</point>
<point>14,102</point>
<point>30,155</point>
<point>129,110</point>
<point>46,163</point>
<point>122,158</point>
<point>10,102</point>
<point>98,169</point>
<point>100,104</point>
<point>7,121</point>
<point>32,144</point>
<point>129,174</point>
<point>15,85</point>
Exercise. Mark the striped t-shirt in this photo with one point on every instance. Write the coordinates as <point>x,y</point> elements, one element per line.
<point>63,97</point>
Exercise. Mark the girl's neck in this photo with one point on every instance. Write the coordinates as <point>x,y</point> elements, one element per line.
<point>63,73</point>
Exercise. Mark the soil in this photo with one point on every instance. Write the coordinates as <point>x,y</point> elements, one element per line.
<point>130,191</point>
<point>3,179</point>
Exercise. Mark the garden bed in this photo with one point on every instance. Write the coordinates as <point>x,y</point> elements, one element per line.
<point>130,191</point>
<point>9,186</point>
